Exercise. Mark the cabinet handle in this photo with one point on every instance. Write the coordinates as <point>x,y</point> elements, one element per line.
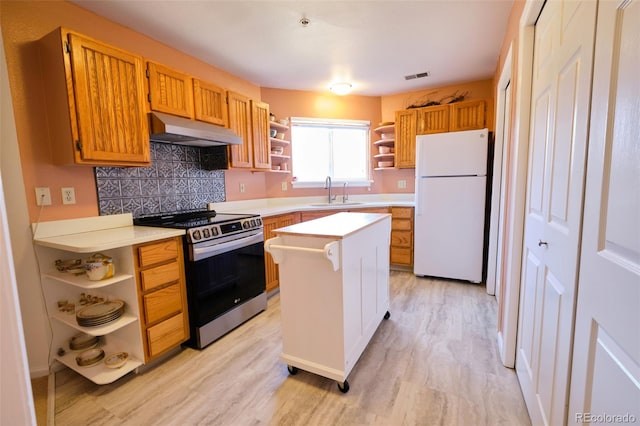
<point>542,243</point>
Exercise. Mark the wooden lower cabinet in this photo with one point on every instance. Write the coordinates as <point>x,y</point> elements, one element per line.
<point>269,224</point>
<point>317,214</point>
<point>402,236</point>
<point>162,295</point>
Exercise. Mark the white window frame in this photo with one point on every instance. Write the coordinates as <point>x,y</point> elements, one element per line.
<point>337,123</point>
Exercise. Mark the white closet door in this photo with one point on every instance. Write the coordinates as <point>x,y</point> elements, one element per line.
<point>563,47</point>
<point>605,379</point>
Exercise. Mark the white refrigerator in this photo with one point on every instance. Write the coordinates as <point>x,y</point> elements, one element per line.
<point>451,182</point>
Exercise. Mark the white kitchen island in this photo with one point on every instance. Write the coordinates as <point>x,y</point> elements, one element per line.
<point>334,290</point>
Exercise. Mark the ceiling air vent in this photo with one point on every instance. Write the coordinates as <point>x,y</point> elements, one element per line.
<point>419,75</point>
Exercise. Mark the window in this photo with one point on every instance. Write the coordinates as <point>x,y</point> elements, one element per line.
<point>329,147</point>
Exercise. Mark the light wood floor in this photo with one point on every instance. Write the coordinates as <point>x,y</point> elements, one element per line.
<point>434,362</point>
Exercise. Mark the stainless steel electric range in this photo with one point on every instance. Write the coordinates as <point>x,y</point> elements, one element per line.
<point>224,269</point>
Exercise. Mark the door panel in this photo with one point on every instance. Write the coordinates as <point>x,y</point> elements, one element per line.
<point>606,362</point>
<point>561,94</point>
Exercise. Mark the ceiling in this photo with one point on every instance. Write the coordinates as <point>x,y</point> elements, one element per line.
<point>371,44</point>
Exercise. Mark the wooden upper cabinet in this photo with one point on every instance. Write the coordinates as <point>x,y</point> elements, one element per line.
<point>95,101</point>
<point>433,119</point>
<point>210,103</point>
<point>467,115</point>
<point>170,91</point>
<point>405,144</point>
<point>260,130</point>
<point>250,120</point>
<point>241,156</point>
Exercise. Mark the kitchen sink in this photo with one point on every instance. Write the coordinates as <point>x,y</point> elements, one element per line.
<point>348,203</point>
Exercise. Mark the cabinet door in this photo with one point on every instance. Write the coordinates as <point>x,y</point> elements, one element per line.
<point>468,115</point>
<point>433,119</point>
<point>270,267</point>
<point>405,148</point>
<point>402,236</point>
<point>240,122</point>
<point>170,91</point>
<point>210,103</point>
<point>110,108</point>
<point>260,135</point>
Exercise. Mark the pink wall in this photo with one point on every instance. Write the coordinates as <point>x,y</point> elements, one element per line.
<point>483,89</point>
<point>25,22</point>
<point>287,103</point>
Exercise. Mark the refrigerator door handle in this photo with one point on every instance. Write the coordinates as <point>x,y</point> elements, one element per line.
<point>418,198</point>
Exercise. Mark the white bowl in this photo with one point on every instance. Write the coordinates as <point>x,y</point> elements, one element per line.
<point>384,149</point>
<point>385,163</point>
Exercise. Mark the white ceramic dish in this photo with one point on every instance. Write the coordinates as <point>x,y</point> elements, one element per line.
<point>116,360</point>
<point>90,357</point>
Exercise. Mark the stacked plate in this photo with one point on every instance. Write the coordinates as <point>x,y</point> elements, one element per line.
<point>82,342</point>
<point>100,313</point>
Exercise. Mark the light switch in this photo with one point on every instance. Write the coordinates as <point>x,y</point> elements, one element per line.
<point>284,185</point>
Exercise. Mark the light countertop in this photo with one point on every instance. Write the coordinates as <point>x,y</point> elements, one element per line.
<point>339,225</point>
<point>93,234</point>
<point>275,206</point>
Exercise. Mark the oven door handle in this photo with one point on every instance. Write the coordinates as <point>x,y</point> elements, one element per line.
<point>199,253</point>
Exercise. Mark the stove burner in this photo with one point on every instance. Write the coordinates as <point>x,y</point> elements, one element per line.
<point>204,225</point>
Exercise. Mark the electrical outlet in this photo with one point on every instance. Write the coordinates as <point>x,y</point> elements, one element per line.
<point>402,184</point>
<point>242,188</point>
<point>284,186</point>
<point>43,196</point>
<point>68,195</point>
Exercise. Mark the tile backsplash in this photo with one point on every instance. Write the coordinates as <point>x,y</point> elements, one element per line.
<point>180,178</point>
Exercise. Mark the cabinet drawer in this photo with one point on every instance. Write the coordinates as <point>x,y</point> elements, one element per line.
<point>162,303</point>
<point>166,335</point>
<point>157,253</point>
<point>401,256</point>
<point>401,225</point>
<point>401,239</point>
<point>402,212</point>
<point>155,277</point>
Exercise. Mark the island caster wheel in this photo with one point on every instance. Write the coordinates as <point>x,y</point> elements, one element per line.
<point>387,315</point>
<point>292,370</point>
<point>344,387</point>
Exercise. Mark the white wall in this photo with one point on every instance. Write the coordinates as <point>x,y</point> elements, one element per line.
<point>34,321</point>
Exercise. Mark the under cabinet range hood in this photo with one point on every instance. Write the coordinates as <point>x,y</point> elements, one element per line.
<point>178,130</point>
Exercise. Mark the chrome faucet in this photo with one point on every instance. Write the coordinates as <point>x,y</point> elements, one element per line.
<point>327,185</point>
<point>345,197</point>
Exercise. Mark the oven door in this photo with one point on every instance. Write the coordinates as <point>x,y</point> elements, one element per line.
<point>224,276</point>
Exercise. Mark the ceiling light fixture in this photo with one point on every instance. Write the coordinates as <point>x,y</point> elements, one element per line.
<point>341,88</point>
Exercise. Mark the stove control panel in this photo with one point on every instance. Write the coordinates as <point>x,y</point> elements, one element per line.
<point>218,230</point>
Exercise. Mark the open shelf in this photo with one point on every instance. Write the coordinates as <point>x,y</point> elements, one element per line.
<point>390,128</point>
<point>70,320</point>
<point>99,373</point>
<point>384,156</point>
<point>278,126</point>
<point>83,281</point>
<point>385,142</point>
<point>280,156</point>
<point>279,142</point>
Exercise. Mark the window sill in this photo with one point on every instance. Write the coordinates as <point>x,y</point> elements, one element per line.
<point>334,184</point>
